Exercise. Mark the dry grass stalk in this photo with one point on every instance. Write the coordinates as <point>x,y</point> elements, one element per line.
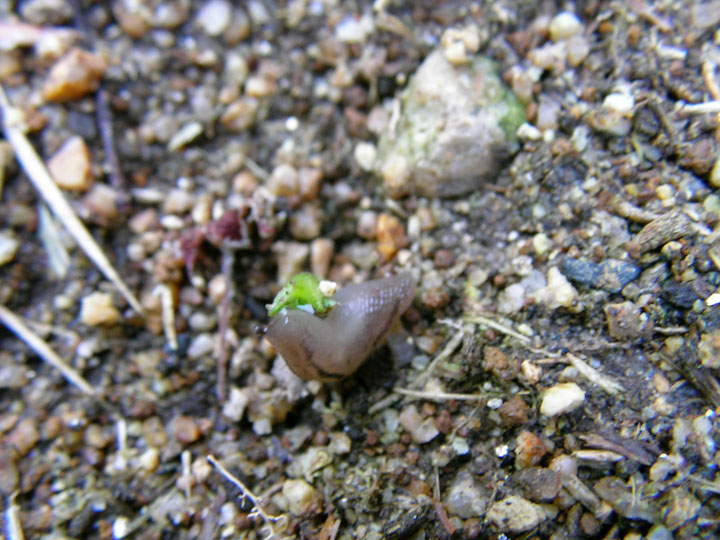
<point>40,177</point>
<point>275,525</point>
<point>15,323</point>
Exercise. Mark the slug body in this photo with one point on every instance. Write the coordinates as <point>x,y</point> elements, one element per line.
<point>332,347</point>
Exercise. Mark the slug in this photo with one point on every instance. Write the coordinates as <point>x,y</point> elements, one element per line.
<point>332,344</point>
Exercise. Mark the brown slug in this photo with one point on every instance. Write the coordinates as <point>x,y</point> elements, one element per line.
<point>332,345</point>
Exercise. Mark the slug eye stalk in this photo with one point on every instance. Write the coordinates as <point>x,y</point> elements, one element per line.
<point>355,320</point>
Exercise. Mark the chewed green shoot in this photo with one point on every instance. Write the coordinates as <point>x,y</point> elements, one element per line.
<point>304,292</point>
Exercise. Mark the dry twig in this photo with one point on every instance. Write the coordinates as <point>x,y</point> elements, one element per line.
<point>275,524</point>
<point>41,179</point>
<point>12,520</point>
<point>32,340</point>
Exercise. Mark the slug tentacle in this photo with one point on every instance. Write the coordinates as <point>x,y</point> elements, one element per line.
<point>332,347</point>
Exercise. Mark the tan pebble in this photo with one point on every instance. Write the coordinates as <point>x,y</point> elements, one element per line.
<point>291,257</point>
<point>299,495</point>
<point>390,235</point>
<point>565,25</point>
<point>201,469</point>
<point>102,202</point>
<point>283,181</point>
<point>309,182</point>
<point>144,221</point>
<point>340,443</point>
<point>561,398</point>
<point>217,288</point>
<point>578,49</point>
<point>531,371</point>
<point>240,114</point>
<point>259,87</point>
<point>530,449</point>
<point>98,309</point>
<point>515,514</point>
<point>24,437</point>
<point>187,429</point>
<point>202,210</point>
<point>70,165</point>
<point>396,174</point>
<point>367,224</point>
<point>245,183</point>
<point>178,201</point>
<point>149,459</point>
<point>73,76</point>
<point>9,246</point>
<point>321,252</point>
<point>9,475</point>
<point>514,412</point>
<point>662,385</point>
<point>154,432</point>
<point>306,222</point>
<point>715,174</point>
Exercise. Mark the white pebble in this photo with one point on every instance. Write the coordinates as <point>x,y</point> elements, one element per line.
<point>621,102</point>
<point>365,154</point>
<point>565,25</point>
<point>561,398</point>
<point>214,17</point>
<point>8,247</point>
<point>185,135</point>
<point>299,495</point>
<point>98,309</point>
<point>202,345</point>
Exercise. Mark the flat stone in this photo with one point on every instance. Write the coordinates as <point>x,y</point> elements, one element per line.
<point>70,165</point>
<point>456,128</point>
<point>515,514</point>
<point>561,398</point>
<point>73,76</point>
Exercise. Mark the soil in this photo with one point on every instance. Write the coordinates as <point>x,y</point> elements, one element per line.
<point>556,373</point>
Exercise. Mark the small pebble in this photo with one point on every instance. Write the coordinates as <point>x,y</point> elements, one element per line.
<point>538,484</point>
<point>184,136</point>
<point>73,76</point>
<point>390,235</point>
<point>421,431</point>
<point>565,25</point>
<point>299,495</point>
<point>202,345</point>
<point>561,398</point>
<point>306,222</point>
<point>97,309</point>
<point>515,514</point>
<point>9,246</point>
<point>558,292</point>
<point>186,429</point>
<point>101,203</point>
<point>70,165</point>
<point>464,497</point>
<point>530,449</point>
<point>283,181</point>
<point>340,443</point>
<point>23,437</point>
<point>365,155</point>
<point>235,406</point>
<point>214,17</point>
<point>291,257</point>
<point>321,252</point>
<point>627,322</point>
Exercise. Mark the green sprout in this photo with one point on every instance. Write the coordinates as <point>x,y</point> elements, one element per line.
<point>302,292</point>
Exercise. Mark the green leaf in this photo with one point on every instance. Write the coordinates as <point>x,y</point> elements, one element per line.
<point>301,292</point>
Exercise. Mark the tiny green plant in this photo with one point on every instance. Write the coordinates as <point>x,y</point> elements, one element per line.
<point>303,292</point>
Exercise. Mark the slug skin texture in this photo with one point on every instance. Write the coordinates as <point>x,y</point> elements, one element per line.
<point>332,347</point>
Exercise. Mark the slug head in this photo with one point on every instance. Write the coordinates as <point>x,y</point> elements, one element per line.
<point>302,292</point>
<point>332,347</point>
